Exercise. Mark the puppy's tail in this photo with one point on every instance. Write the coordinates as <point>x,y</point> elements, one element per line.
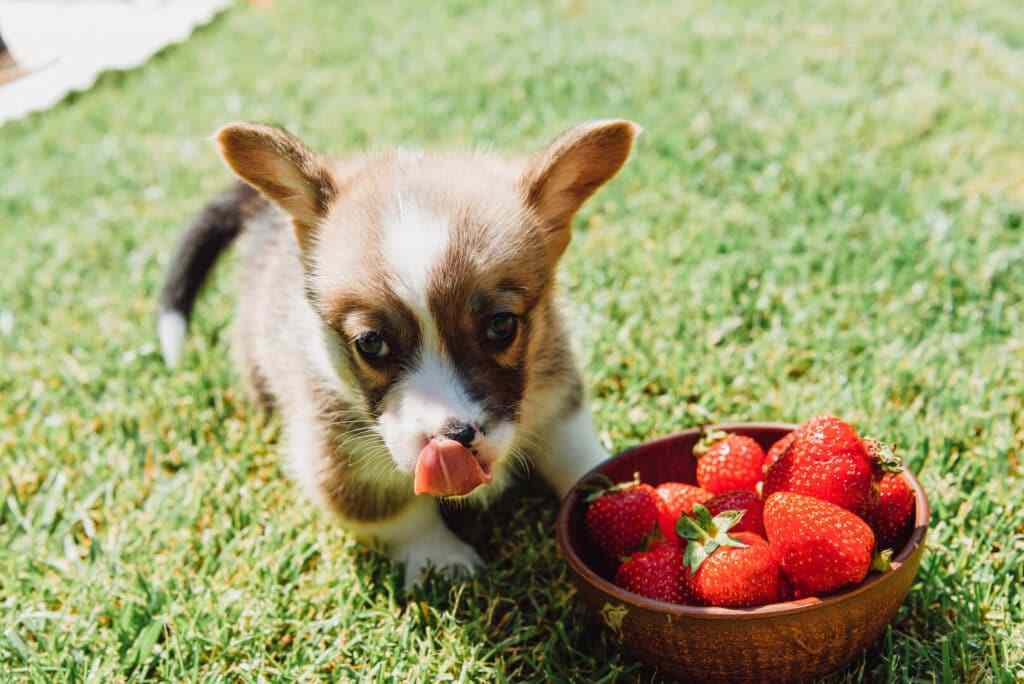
<point>213,231</point>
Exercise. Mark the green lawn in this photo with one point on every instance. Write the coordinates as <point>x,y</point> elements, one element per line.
<point>824,214</point>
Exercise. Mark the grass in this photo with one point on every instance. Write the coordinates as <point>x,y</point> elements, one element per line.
<point>826,213</point>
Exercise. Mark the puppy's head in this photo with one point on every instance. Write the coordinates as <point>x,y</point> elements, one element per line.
<point>432,277</point>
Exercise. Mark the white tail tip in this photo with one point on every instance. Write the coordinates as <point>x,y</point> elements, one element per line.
<point>172,328</point>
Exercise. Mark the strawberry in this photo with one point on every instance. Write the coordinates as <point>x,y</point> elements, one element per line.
<point>740,500</point>
<point>826,460</point>
<point>676,499</point>
<point>785,588</point>
<point>656,574</point>
<point>821,547</point>
<point>729,570</point>
<point>890,516</point>
<point>620,518</point>
<point>777,450</point>
<point>727,462</point>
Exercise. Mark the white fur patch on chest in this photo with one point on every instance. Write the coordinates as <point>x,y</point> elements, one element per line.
<point>415,241</point>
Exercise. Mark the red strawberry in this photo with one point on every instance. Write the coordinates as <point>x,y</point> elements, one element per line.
<point>729,570</point>
<point>890,516</point>
<point>727,462</point>
<point>785,588</point>
<point>827,460</point>
<point>656,574</point>
<point>676,499</point>
<point>740,500</point>
<point>659,541</point>
<point>777,450</point>
<point>821,547</point>
<point>621,517</point>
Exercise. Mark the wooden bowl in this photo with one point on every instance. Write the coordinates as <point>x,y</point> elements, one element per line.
<point>782,642</point>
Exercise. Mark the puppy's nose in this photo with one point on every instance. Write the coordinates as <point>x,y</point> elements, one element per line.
<point>463,433</point>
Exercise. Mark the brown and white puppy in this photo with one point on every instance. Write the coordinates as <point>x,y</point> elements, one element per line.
<point>398,310</point>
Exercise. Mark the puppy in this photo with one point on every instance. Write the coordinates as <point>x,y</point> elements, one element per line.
<point>398,310</point>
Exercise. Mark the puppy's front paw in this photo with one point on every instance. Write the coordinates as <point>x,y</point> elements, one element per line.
<point>448,554</point>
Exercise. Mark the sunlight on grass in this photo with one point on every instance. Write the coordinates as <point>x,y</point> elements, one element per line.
<point>823,214</point>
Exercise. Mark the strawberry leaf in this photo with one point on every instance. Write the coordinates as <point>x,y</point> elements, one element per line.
<point>884,456</point>
<point>694,556</point>
<point>703,516</point>
<point>734,543</point>
<point>706,534</point>
<point>882,561</point>
<point>707,440</point>
<point>688,527</point>
<point>596,486</point>
<point>726,520</point>
<point>601,484</point>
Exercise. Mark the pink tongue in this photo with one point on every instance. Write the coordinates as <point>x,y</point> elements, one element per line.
<point>446,468</point>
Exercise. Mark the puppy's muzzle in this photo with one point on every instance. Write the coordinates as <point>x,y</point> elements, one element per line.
<point>463,433</point>
<point>447,466</point>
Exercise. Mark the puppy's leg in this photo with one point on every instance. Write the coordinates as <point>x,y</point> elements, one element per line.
<point>418,538</point>
<point>572,449</point>
<point>413,532</point>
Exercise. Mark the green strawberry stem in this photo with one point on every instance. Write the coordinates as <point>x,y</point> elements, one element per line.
<point>708,439</point>
<point>597,483</point>
<point>706,534</point>
<point>884,455</point>
<point>882,561</point>
<point>601,484</point>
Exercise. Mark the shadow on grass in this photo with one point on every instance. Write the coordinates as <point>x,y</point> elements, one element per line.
<point>522,605</point>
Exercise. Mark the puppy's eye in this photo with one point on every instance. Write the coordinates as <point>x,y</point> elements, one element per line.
<point>372,345</point>
<point>502,327</point>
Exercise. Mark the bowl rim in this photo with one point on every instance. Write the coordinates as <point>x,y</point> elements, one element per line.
<point>922,514</point>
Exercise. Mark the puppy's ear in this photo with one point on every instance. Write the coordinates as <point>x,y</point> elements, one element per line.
<point>280,166</point>
<point>561,177</point>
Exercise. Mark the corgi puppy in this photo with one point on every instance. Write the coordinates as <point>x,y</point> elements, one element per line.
<point>398,309</point>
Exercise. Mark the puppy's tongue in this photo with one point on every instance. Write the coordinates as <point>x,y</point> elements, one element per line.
<point>446,468</point>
